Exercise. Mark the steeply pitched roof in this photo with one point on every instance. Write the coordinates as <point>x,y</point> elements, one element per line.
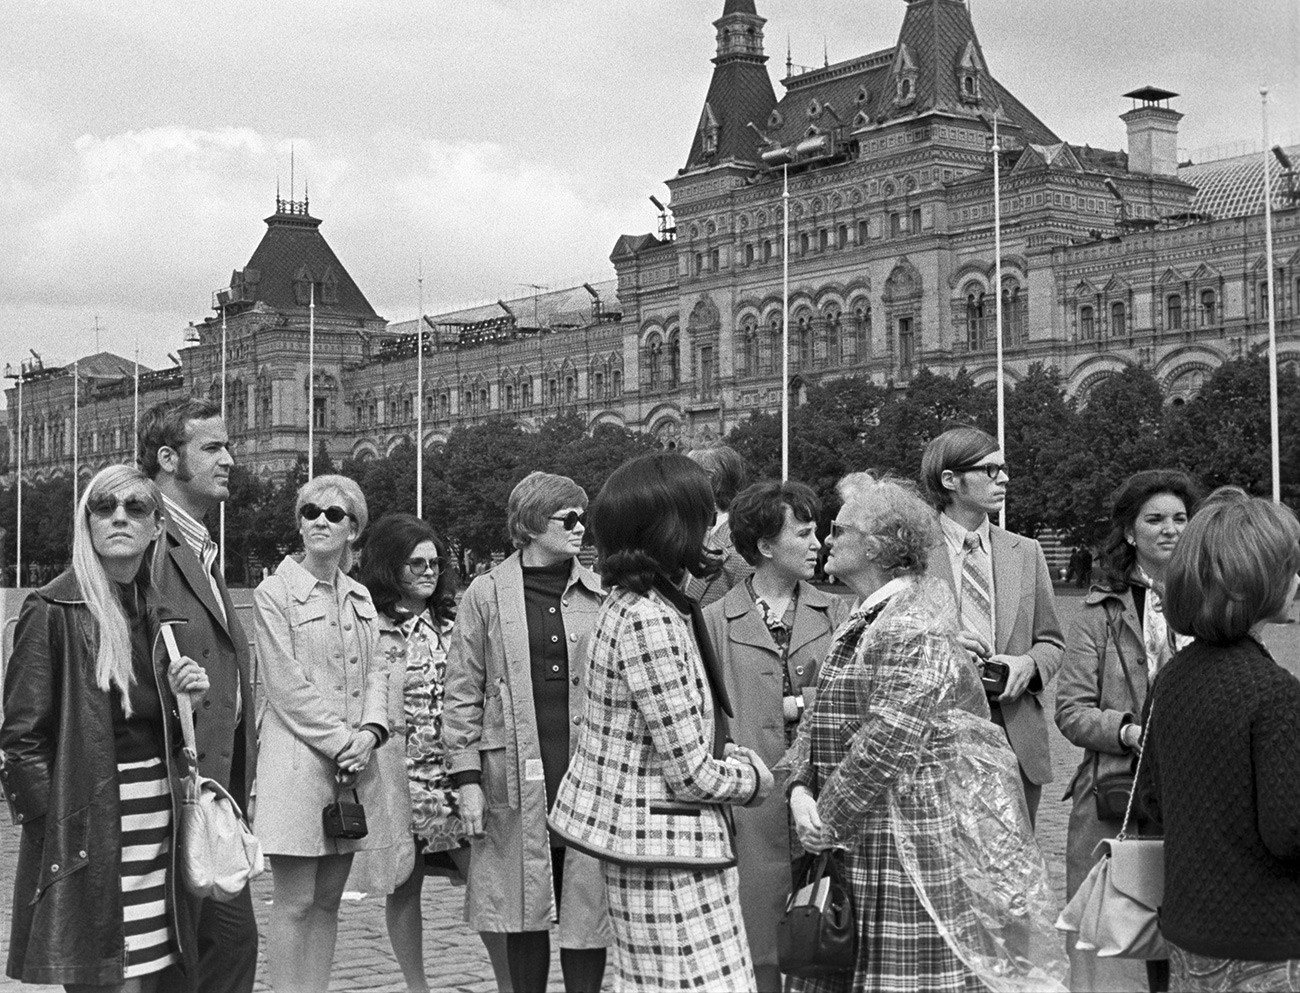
<point>104,365</point>
<point>1235,187</point>
<point>293,245</point>
<point>837,93</point>
<point>738,7</point>
<point>552,308</point>
<point>937,35</point>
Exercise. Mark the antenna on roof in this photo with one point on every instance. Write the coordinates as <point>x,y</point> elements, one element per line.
<point>826,53</point>
<point>789,57</point>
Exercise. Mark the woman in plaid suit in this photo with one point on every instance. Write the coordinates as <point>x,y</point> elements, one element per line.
<point>647,787</point>
<point>898,763</point>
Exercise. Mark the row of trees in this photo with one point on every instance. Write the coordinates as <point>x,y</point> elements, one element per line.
<point>1065,457</point>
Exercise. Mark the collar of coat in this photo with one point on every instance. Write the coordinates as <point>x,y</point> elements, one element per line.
<point>63,588</point>
<point>739,602</point>
<point>512,569</point>
<point>299,582</point>
<point>1100,594</point>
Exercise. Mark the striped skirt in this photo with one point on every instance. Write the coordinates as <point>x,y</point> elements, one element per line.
<point>677,929</point>
<point>145,797</point>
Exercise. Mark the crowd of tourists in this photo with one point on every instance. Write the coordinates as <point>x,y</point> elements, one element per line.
<point>642,763</point>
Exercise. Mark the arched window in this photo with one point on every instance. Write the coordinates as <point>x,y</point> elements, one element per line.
<point>975,321</point>
<point>1117,319</point>
<point>674,360</point>
<point>654,360</point>
<point>1087,324</point>
<point>748,346</point>
<point>804,327</point>
<point>831,317</point>
<point>1015,315</point>
<point>1174,311</point>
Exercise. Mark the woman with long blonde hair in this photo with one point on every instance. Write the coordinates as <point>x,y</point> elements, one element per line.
<point>87,745</point>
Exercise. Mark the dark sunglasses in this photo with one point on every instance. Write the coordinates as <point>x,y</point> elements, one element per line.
<point>137,508</point>
<point>838,530</point>
<point>992,471</point>
<point>418,567</point>
<point>334,515</point>
<point>571,520</point>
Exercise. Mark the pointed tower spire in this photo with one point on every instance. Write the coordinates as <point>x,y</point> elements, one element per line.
<point>740,93</point>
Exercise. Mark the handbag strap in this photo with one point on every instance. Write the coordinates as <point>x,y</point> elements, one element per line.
<point>1137,771</point>
<point>184,705</point>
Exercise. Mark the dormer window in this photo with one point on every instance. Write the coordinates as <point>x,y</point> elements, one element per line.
<point>906,91</point>
<point>774,119</point>
<point>863,96</point>
<point>814,108</point>
<point>862,120</point>
<point>968,74</point>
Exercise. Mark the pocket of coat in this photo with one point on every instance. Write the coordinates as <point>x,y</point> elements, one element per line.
<point>66,849</point>
<point>495,776</point>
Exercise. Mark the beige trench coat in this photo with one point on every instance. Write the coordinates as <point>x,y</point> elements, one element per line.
<point>322,678</point>
<point>489,724</point>
<point>751,663</point>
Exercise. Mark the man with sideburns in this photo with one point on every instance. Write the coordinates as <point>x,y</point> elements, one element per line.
<point>1005,604</point>
<point>185,449</point>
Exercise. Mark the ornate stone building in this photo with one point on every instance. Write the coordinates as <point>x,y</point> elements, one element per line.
<point>1108,258</point>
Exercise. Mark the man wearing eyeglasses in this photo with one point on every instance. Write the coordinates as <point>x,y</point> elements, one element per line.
<point>1004,594</point>
<point>185,449</point>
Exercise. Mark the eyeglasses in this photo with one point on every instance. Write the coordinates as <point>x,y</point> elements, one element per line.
<point>418,567</point>
<point>571,520</point>
<point>992,471</point>
<point>334,515</point>
<point>137,508</point>
<point>838,529</point>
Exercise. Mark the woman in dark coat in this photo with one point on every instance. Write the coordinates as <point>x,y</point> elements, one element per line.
<point>88,748</point>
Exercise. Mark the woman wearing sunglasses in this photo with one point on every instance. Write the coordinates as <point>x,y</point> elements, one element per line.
<point>86,765</point>
<point>413,585</point>
<point>516,687</point>
<point>324,712</point>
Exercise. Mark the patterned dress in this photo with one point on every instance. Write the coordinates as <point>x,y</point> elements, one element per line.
<point>949,887</point>
<point>418,647</point>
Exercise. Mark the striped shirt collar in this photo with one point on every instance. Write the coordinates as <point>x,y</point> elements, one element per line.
<point>195,532</point>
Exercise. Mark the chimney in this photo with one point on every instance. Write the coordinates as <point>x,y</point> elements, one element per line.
<point>1152,132</point>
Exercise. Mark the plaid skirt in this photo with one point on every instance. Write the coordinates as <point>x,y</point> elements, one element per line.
<point>677,929</point>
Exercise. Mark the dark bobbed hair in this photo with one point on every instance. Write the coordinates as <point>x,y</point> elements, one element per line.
<point>652,516</point>
<point>954,448</point>
<point>167,424</point>
<point>758,512</point>
<point>726,471</point>
<point>1117,556</point>
<point>1232,568</point>
<point>392,539</point>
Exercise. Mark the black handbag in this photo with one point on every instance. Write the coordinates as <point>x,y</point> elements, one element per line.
<point>818,934</point>
<point>345,819</point>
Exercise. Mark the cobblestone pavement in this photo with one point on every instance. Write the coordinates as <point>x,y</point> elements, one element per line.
<point>454,957</point>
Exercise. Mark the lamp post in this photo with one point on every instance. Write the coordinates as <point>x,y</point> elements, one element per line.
<point>997,295</point>
<point>1274,451</point>
<point>785,322</point>
<point>221,508</point>
<point>135,405</point>
<point>76,431</point>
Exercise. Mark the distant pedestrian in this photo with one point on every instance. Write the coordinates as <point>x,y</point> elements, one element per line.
<point>515,695</point>
<point>408,571</point>
<point>771,633</point>
<point>325,713</point>
<point>727,477</point>
<point>1115,647</point>
<point>87,753</point>
<point>1005,601</point>
<point>648,784</point>
<point>1222,756</point>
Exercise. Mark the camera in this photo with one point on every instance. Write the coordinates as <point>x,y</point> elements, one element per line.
<point>994,677</point>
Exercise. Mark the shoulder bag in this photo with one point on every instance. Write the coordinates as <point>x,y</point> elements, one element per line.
<point>1116,909</point>
<point>818,933</point>
<point>1112,787</point>
<point>219,855</point>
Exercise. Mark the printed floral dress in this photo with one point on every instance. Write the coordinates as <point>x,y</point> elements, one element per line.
<point>418,647</point>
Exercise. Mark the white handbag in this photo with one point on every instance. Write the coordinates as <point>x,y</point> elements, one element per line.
<point>219,854</point>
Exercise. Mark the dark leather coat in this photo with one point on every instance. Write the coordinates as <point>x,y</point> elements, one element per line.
<point>59,772</point>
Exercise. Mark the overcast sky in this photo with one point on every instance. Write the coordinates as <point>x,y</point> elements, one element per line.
<point>504,142</point>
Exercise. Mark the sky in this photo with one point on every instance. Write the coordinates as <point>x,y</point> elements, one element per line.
<point>489,144</point>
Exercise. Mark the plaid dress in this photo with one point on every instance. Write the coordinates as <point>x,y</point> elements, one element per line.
<point>858,760</point>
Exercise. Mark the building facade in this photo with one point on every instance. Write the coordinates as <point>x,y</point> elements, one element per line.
<point>1109,258</point>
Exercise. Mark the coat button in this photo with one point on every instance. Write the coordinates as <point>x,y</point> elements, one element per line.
<point>348,626</point>
<point>207,704</point>
<point>54,867</point>
<point>18,817</point>
<point>577,720</point>
<point>353,660</point>
<point>202,756</point>
<point>576,680</point>
<point>798,670</point>
<point>554,638</point>
<point>207,652</point>
<point>573,637</point>
<point>550,610</point>
<point>81,854</point>
<point>356,693</point>
<point>564,603</point>
<point>555,668</point>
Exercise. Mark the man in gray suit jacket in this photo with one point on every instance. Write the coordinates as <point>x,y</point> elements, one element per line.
<point>184,448</point>
<point>1004,592</point>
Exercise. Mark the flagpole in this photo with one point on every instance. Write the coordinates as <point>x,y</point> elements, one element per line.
<point>76,429</point>
<point>311,381</point>
<point>997,297</point>
<point>221,510</point>
<point>135,404</point>
<point>785,328</point>
<point>1274,451</point>
<point>419,396</point>
<point>18,524</point>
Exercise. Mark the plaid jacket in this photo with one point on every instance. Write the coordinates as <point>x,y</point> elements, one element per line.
<point>643,787</point>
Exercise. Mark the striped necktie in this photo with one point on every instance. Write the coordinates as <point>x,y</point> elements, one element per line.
<point>976,602</point>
